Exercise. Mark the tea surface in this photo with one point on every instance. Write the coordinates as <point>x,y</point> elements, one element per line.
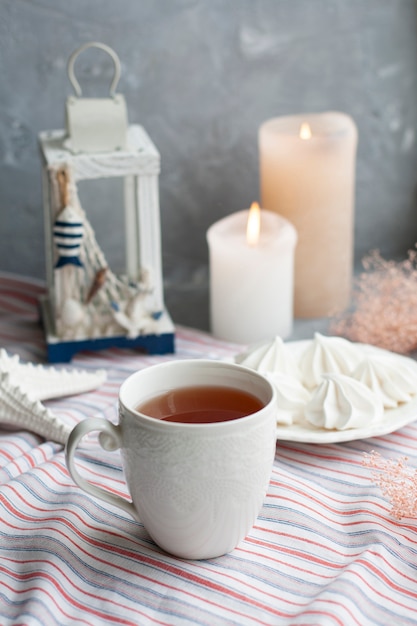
<point>201,405</point>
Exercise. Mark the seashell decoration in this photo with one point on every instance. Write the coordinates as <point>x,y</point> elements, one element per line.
<point>134,319</point>
<point>17,409</point>
<point>23,387</point>
<point>97,284</point>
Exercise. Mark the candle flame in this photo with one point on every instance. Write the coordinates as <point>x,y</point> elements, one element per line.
<point>254,224</point>
<point>305,131</point>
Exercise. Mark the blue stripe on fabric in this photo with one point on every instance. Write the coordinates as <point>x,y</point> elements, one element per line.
<point>18,603</point>
<point>331,533</point>
<point>318,586</point>
<point>142,587</point>
<point>396,617</point>
<point>110,551</point>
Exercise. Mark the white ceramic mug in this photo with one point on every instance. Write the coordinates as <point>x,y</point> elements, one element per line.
<point>197,488</point>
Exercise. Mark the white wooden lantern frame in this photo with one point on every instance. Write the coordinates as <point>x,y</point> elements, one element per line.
<point>139,165</point>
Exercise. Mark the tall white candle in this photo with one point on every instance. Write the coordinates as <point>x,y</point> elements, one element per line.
<point>251,277</point>
<point>307,174</point>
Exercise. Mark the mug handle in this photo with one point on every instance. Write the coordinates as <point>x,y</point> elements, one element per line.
<point>109,439</point>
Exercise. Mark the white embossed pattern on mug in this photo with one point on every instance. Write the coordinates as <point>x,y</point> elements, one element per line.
<point>219,484</point>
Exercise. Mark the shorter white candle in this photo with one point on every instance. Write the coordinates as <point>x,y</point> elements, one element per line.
<point>251,276</point>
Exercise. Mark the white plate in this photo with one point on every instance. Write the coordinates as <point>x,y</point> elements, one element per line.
<point>392,420</point>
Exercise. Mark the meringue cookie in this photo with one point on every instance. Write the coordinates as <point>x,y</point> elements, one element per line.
<point>272,356</point>
<point>392,380</point>
<point>341,402</point>
<point>328,355</point>
<point>292,398</point>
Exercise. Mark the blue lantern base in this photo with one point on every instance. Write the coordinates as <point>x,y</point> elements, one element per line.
<point>59,351</point>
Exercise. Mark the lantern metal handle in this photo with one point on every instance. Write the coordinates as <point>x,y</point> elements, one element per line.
<point>101,46</point>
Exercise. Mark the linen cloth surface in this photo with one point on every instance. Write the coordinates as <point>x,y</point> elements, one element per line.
<point>325,549</point>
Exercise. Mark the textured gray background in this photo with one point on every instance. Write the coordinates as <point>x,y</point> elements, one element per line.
<point>201,76</point>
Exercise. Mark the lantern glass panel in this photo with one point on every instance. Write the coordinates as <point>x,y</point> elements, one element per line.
<point>103,202</point>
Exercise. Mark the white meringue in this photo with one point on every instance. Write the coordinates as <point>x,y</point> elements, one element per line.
<point>341,402</point>
<point>292,397</point>
<point>272,356</point>
<point>328,355</point>
<point>392,380</point>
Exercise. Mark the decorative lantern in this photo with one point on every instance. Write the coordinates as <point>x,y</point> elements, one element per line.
<point>88,306</point>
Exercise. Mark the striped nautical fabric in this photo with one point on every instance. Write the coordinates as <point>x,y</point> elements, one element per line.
<point>325,549</point>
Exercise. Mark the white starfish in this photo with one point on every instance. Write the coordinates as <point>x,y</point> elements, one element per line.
<point>23,386</point>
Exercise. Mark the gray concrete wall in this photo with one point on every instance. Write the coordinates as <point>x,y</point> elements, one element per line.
<point>200,76</point>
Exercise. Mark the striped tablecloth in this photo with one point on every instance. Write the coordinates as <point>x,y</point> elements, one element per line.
<point>325,549</point>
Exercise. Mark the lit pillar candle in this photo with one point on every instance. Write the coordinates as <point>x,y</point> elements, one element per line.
<point>251,276</point>
<point>307,174</point>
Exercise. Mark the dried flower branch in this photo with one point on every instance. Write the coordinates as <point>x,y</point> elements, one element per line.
<point>397,481</point>
<point>384,305</point>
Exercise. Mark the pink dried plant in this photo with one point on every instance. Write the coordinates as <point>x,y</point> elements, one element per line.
<point>397,481</point>
<point>384,305</point>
